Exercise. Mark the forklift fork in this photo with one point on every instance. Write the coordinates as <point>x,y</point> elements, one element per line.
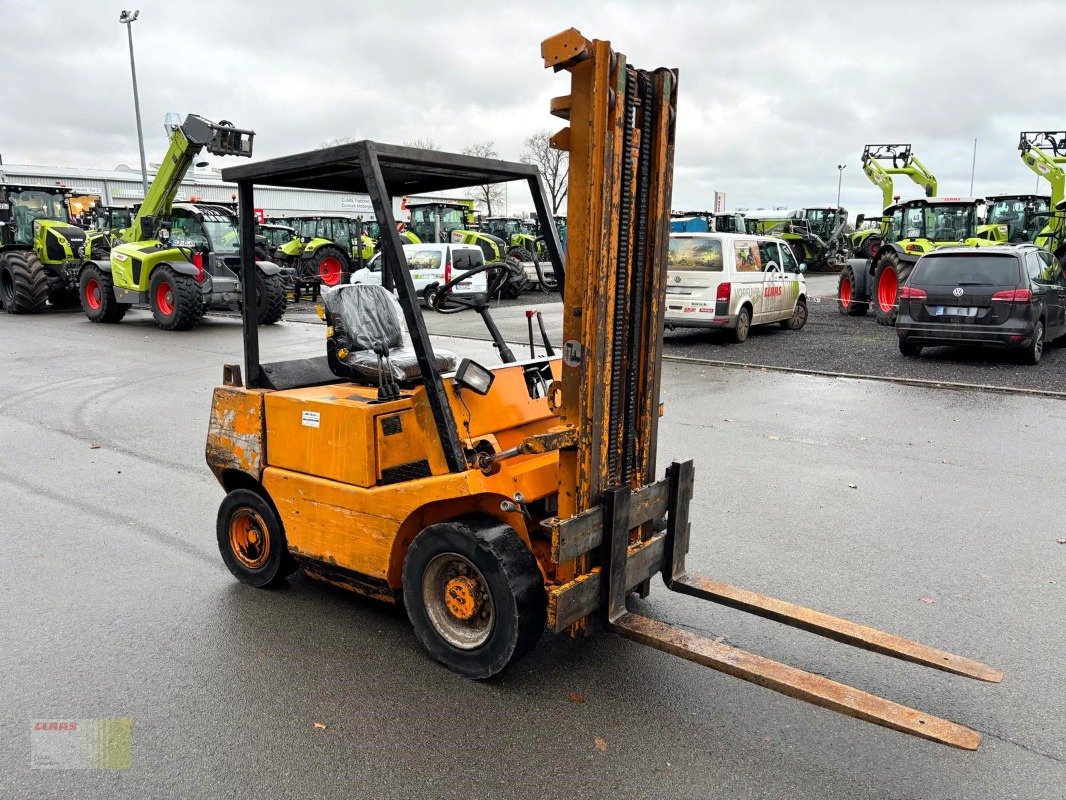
<point>618,519</point>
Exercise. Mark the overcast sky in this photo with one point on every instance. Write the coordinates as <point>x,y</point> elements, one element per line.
<point>772,95</point>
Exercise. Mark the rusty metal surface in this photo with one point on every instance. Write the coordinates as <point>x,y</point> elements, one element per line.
<point>235,439</point>
<point>841,630</point>
<point>584,532</point>
<point>583,595</point>
<point>795,682</point>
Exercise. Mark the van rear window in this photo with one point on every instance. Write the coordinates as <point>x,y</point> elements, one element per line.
<point>695,255</point>
<point>463,260</point>
<point>948,269</point>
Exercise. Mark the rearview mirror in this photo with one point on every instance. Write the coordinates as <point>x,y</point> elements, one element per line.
<point>803,266</point>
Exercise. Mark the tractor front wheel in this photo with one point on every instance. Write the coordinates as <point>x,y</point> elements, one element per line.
<point>97,294</point>
<point>270,293</point>
<point>23,285</point>
<point>848,303</point>
<point>331,265</point>
<point>886,289</point>
<point>176,300</point>
<point>474,595</point>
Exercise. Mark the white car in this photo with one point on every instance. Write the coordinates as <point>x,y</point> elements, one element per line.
<point>432,266</point>
<point>732,281</point>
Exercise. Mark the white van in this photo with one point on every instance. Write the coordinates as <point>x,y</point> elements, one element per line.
<point>432,266</point>
<point>733,281</point>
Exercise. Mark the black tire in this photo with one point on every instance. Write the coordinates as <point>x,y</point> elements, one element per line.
<point>261,254</point>
<point>270,293</point>
<point>516,283</point>
<point>23,284</point>
<point>176,300</point>
<point>251,540</point>
<point>885,301</point>
<point>331,266</point>
<point>428,294</point>
<point>508,603</point>
<point>743,327</point>
<point>1035,350</point>
<point>798,318</point>
<point>847,304</point>
<point>97,293</point>
<point>909,348</point>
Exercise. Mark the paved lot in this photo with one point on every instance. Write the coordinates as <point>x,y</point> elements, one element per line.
<point>117,604</point>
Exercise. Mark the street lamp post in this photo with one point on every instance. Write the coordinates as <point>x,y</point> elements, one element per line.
<point>127,18</point>
<point>840,181</point>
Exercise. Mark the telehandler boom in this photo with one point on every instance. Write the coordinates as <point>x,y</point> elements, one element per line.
<point>499,501</point>
<point>1044,152</point>
<point>180,258</point>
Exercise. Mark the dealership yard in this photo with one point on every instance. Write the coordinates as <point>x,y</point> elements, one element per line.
<point>931,513</point>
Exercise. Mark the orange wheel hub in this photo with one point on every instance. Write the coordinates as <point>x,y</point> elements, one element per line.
<point>249,539</point>
<point>463,597</point>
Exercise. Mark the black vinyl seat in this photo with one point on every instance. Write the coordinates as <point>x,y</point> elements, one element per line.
<point>365,339</point>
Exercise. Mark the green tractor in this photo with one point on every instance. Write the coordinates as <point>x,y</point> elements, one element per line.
<point>435,222</point>
<point>817,235</point>
<point>106,224</point>
<point>914,228</point>
<point>1044,152</point>
<point>325,250</point>
<point>1017,218</point>
<point>41,252</point>
<point>180,259</point>
<point>880,162</point>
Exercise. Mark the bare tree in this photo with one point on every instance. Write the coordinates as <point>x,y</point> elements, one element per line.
<point>337,141</point>
<point>488,193</point>
<point>422,143</point>
<point>554,166</point>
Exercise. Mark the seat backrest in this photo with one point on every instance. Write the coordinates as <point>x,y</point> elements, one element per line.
<point>366,316</point>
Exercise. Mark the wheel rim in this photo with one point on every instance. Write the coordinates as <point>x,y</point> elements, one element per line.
<point>845,292</point>
<point>457,601</point>
<point>249,539</point>
<point>93,294</point>
<point>887,290</point>
<point>329,270</point>
<point>164,298</point>
<point>1038,347</point>
<point>742,324</point>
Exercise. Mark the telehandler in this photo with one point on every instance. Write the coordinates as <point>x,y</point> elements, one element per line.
<point>496,501</point>
<point>181,258</point>
<point>818,235</point>
<point>1044,152</point>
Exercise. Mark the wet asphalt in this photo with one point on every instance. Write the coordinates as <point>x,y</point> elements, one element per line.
<point>116,603</point>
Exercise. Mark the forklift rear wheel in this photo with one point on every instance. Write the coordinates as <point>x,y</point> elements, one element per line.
<point>251,540</point>
<point>176,300</point>
<point>474,595</point>
<point>98,296</point>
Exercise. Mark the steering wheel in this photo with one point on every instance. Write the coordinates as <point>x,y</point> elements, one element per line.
<point>445,302</point>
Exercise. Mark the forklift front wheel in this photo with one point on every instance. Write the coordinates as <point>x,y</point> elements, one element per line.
<point>474,595</point>
<point>251,540</point>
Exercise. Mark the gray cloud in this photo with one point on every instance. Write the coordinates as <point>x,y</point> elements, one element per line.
<point>773,94</point>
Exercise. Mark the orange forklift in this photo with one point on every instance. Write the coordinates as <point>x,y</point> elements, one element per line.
<point>496,501</point>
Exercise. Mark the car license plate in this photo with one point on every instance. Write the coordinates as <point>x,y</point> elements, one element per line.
<point>955,311</point>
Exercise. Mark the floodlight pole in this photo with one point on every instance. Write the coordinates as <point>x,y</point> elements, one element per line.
<point>128,18</point>
<point>840,181</point>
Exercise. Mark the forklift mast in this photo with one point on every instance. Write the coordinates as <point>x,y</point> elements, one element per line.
<point>186,142</point>
<point>903,162</point>
<point>616,524</point>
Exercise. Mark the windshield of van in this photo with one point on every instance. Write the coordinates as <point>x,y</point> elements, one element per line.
<point>963,270</point>
<point>703,255</point>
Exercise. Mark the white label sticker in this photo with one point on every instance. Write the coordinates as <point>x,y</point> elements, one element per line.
<point>310,419</point>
